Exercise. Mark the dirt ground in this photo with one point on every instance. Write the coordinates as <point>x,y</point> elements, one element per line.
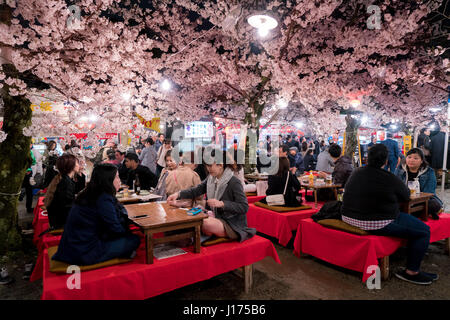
<point>294,279</point>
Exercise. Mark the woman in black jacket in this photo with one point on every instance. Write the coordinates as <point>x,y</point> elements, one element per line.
<point>225,197</point>
<point>61,191</point>
<point>308,161</point>
<point>277,183</point>
<point>97,226</point>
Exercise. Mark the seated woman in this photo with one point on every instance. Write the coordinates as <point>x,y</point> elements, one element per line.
<point>225,197</point>
<point>61,191</point>
<point>277,184</point>
<point>184,176</point>
<point>171,165</point>
<point>96,229</point>
<point>416,167</point>
<point>310,163</point>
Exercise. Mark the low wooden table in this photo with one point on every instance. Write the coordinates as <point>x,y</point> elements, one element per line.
<point>161,218</point>
<point>133,198</point>
<point>315,187</point>
<point>418,203</point>
<point>256,177</point>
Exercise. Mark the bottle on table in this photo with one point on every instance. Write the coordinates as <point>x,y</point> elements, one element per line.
<point>137,185</point>
<point>311,178</point>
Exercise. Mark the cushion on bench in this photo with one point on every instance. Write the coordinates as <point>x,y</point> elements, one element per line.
<point>215,240</point>
<point>56,231</point>
<point>342,226</point>
<point>280,208</point>
<point>61,267</point>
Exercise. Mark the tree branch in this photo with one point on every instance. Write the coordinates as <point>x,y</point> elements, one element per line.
<point>227,83</point>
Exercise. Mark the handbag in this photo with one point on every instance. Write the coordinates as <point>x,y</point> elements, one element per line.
<point>277,199</point>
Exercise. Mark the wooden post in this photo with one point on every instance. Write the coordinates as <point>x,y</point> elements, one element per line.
<point>248,278</point>
<point>149,247</point>
<point>197,239</point>
<point>447,246</point>
<point>384,267</point>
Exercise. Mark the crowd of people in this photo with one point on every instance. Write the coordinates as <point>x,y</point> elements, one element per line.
<point>96,226</point>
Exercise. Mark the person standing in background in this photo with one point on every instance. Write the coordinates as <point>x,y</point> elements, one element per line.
<point>159,142</point>
<point>27,186</point>
<point>424,143</point>
<point>393,158</point>
<point>148,156</point>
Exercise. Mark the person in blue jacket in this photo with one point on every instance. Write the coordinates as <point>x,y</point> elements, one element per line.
<point>416,167</point>
<point>393,157</point>
<point>97,226</point>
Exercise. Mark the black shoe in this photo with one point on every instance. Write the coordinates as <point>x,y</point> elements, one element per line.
<point>433,276</point>
<point>419,278</point>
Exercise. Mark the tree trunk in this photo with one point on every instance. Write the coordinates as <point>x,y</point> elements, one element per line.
<point>351,137</point>
<point>14,160</point>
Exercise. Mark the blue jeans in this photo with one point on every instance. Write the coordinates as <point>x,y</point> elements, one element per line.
<point>120,248</point>
<point>418,234</point>
<point>392,163</point>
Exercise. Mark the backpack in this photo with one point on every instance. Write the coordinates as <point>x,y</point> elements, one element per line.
<point>330,210</point>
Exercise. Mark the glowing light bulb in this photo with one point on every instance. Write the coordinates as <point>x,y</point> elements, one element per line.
<point>282,104</point>
<point>355,103</point>
<point>263,32</point>
<point>166,85</point>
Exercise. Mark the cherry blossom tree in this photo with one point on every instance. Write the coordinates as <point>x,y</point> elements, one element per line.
<point>110,58</point>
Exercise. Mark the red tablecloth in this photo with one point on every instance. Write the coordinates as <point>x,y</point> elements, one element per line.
<point>40,225</point>
<point>278,224</point>
<point>46,241</point>
<point>37,210</point>
<point>352,251</point>
<point>137,280</point>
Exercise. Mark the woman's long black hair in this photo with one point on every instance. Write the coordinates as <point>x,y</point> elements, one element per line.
<point>102,181</point>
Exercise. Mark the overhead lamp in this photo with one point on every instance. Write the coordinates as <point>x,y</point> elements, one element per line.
<point>282,104</point>
<point>262,21</point>
<point>93,117</point>
<point>394,126</point>
<point>166,85</point>
<point>435,109</point>
<point>83,119</point>
<point>262,32</point>
<point>299,124</point>
<point>432,126</point>
<point>355,103</point>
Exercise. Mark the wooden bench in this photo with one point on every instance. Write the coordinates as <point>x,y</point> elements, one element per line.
<point>138,280</point>
<point>340,248</point>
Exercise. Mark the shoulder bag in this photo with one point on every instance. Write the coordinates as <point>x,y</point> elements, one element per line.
<point>277,199</point>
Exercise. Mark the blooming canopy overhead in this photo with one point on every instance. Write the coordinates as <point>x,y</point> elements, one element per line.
<point>110,58</point>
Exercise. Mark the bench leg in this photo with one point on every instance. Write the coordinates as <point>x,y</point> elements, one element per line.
<point>248,278</point>
<point>384,267</point>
